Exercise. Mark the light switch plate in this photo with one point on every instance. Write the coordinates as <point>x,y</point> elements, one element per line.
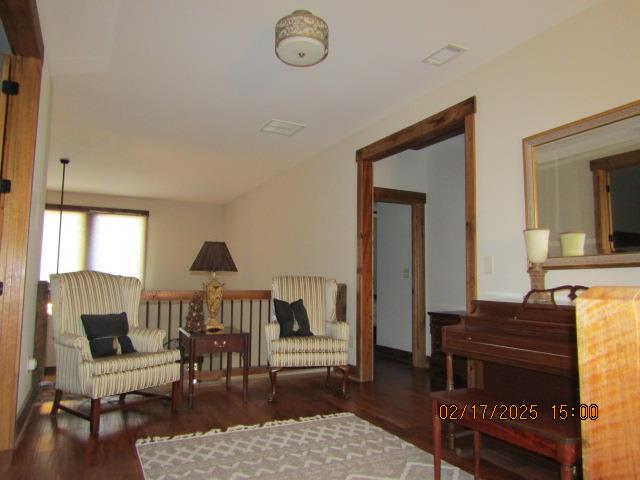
<point>488,265</point>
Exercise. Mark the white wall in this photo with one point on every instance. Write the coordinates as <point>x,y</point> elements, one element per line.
<point>304,220</point>
<point>445,237</point>
<point>175,233</point>
<point>35,238</point>
<point>393,276</point>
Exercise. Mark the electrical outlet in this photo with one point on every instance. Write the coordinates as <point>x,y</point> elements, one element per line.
<point>32,363</point>
<point>406,272</point>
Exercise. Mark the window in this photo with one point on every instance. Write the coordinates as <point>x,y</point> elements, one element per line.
<point>104,240</point>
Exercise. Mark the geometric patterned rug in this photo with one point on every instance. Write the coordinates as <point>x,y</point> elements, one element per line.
<point>328,447</point>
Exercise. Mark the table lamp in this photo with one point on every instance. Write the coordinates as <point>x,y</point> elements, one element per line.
<point>537,241</point>
<point>213,257</point>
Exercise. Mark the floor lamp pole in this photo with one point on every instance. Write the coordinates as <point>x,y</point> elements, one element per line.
<point>64,162</point>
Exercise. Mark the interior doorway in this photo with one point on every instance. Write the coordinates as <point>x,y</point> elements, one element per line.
<point>401,268</point>
<point>456,120</point>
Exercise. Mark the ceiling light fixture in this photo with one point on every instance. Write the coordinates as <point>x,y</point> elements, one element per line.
<point>302,39</point>
<point>444,55</point>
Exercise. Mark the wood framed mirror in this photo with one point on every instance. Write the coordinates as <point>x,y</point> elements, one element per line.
<point>584,178</point>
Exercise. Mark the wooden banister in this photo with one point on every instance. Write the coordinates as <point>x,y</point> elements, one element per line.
<point>176,295</point>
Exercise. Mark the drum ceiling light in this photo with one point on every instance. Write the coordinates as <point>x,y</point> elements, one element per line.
<point>302,39</point>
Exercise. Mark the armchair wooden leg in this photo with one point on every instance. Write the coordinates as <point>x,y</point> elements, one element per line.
<point>345,380</point>
<point>95,417</point>
<point>176,395</point>
<point>326,383</point>
<point>273,376</point>
<point>56,402</point>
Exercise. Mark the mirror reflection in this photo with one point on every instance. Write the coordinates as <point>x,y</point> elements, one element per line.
<point>588,188</point>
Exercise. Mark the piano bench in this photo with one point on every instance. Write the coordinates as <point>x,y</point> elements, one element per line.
<point>482,413</point>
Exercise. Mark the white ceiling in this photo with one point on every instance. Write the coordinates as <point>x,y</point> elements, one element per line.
<point>165,98</point>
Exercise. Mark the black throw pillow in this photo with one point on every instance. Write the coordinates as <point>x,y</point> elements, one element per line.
<point>284,315</point>
<point>101,331</point>
<point>301,316</point>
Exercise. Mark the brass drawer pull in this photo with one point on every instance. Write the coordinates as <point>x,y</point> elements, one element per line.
<point>216,344</point>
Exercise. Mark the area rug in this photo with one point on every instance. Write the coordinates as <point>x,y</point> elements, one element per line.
<point>339,446</point>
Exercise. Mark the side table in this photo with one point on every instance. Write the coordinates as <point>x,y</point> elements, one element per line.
<point>437,360</point>
<point>228,340</point>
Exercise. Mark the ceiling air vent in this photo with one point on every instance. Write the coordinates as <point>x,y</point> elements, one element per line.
<point>282,127</point>
<point>444,55</point>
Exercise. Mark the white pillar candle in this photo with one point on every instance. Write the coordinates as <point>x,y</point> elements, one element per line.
<point>537,241</point>
<point>572,244</point>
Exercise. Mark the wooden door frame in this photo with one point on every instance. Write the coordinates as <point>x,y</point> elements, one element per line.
<point>416,200</point>
<point>456,120</point>
<point>22,26</point>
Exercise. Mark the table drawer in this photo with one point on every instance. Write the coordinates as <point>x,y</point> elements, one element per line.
<point>219,344</point>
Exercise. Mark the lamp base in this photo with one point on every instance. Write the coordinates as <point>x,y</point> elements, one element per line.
<point>213,325</point>
<point>536,275</point>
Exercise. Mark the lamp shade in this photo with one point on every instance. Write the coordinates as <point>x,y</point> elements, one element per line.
<point>213,257</point>
<point>302,39</point>
<point>537,241</point>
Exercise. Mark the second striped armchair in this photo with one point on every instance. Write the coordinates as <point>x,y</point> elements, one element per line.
<point>329,345</point>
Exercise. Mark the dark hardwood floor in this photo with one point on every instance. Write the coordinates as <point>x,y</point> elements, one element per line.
<point>397,401</point>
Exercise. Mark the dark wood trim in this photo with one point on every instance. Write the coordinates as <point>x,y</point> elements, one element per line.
<point>22,26</point>
<point>418,302</point>
<point>18,164</point>
<point>364,280</point>
<point>602,210</point>
<point>437,127</point>
<point>470,208</point>
<point>247,295</point>
<point>81,208</point>
<point>459,118</point>
<point>616,162</point>
<point>390,195</point>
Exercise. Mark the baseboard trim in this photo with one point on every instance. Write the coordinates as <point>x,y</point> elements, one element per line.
<point>25,414</point>
<point>394,354</point>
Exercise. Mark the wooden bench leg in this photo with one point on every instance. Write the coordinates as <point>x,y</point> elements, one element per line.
<point>437,440</point>
<point>476,455</point>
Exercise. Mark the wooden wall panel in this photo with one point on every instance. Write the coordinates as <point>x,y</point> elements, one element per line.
<point>18,158</point>
<point>364,295</point>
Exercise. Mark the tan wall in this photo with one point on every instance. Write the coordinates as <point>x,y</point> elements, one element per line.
<point>304,220</point>
<point>175,233</point>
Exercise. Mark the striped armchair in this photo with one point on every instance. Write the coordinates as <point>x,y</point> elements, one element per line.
<point>329,345</point>
<point>77,372</point>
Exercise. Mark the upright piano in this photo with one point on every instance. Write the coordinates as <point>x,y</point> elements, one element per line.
<point>519,351</point>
